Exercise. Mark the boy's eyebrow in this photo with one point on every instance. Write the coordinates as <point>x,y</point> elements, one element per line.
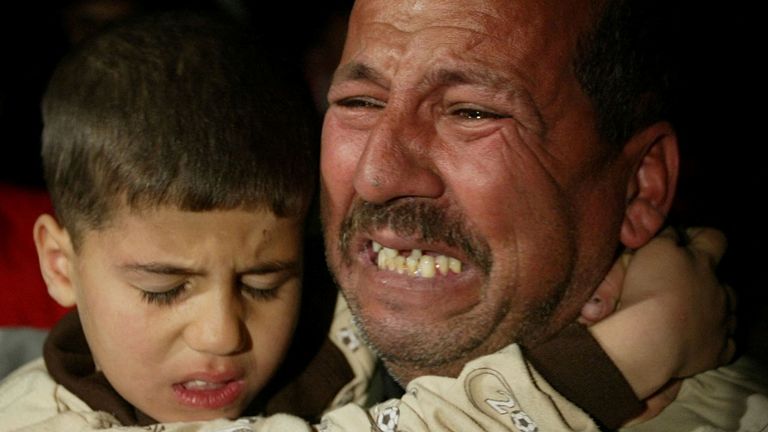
<point>159,268</point>
<point>167,269</point>
<point>273,267</point>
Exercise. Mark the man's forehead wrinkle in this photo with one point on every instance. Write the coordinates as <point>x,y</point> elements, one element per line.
<point>410,16</point>
<point>507,45</point>
<point>457,74</point>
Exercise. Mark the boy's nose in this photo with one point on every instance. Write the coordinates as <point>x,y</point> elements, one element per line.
<point>217,327</point>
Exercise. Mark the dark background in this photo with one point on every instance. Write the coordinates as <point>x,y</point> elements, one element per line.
<point>718,109</point>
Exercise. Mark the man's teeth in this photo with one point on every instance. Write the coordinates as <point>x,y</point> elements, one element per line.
<point>202,385</point>
<point>416,263</point>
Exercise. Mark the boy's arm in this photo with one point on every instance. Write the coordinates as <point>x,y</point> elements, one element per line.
<point>651,354</point>
<point>675,320</point>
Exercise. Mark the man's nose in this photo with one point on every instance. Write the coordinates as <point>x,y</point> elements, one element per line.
<point>217,326</point>
<point>397,161</point>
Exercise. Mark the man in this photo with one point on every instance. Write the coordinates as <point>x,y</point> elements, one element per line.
<point>483,161</point>
<point>501,208</point>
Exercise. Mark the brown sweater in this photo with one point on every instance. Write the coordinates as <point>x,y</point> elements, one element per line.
<point>304,388</point>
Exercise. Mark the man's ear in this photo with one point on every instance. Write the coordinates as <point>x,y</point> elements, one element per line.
<point>651,188</point>
<point>55,253</point>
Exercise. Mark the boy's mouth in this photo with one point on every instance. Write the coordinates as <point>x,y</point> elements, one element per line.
<point>414,262</point>
<point>214,394</point>
<point>202,385</point>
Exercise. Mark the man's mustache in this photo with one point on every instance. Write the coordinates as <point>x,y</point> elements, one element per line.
<point>418,219</point>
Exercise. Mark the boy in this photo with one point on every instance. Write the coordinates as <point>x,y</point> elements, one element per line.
<point>180,160</point>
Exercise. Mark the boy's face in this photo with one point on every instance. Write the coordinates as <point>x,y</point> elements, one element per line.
<point>189,314</point>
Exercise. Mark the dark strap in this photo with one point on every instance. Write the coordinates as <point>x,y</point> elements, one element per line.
<point>578,368</point>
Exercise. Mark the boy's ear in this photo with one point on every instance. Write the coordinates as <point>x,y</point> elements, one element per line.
<point>651,188</point>
<point>55,253</point>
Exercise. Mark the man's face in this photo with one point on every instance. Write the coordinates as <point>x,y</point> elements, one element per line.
<point>457,131</point>
<point>189,314</point>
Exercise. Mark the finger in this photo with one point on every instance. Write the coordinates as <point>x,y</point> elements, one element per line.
<point>728,353</point>
<point>668,233</point>
<point>593,311</point>
<point>709,241</point>
<point>665,396</point>
<point>665,241</point>
<point>606,297</point>
<point>657,402</point>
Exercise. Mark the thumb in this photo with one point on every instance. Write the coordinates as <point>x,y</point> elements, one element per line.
<point>606,297</point>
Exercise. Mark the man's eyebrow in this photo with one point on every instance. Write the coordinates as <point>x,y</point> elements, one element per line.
<point>446,76</point>
<point>356,71</point>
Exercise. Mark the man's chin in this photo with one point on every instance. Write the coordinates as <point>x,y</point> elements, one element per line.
<point>413,344</point>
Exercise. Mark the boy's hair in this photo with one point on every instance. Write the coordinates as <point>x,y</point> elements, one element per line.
<point>178,110</point>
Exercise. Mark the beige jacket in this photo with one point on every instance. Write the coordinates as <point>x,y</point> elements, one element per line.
<point>501,392</point>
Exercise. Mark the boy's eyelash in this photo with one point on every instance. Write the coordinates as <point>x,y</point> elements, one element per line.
<point>166,298</point>
<point>162,298</point>
<point>260,294</point>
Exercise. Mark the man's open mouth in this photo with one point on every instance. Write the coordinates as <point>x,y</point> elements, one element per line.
<point>414,262</point>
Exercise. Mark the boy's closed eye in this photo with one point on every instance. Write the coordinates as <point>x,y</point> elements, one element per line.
<point>168,296</point>
<point>164,285</point>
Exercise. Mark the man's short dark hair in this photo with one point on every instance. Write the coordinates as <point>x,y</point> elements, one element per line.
<point>179,110</point>
<point>625,64</point>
